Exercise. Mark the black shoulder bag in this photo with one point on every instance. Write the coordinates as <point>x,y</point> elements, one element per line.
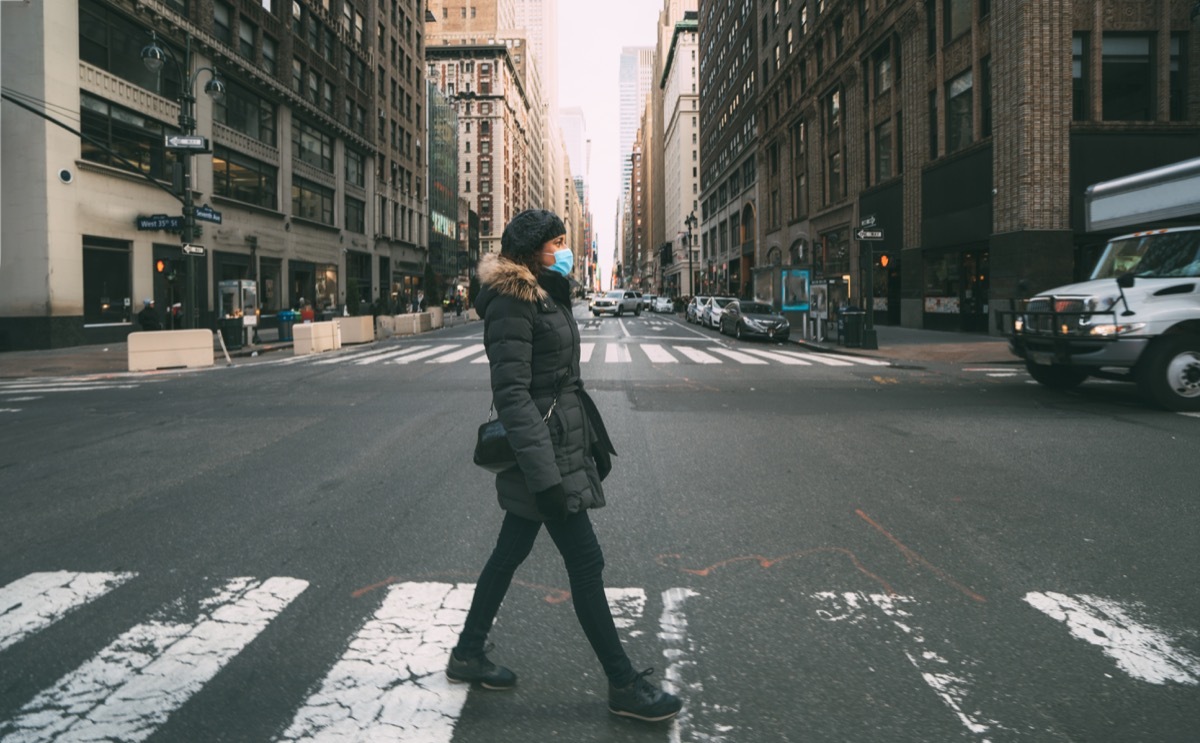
<point>493,452</point>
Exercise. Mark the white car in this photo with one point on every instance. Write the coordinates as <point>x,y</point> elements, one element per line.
<point>711,316</point>
<point>617,302</point>
<point>662,304</point>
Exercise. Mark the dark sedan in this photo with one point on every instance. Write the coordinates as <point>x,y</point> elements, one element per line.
<point>744,318</point>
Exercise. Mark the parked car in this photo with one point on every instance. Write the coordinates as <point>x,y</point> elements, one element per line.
<point>695,308</point>
<point>647,300</point>
<point>617,302</point>
<point>745,318</point>
<point>711,317</point>
<point>663,304</point>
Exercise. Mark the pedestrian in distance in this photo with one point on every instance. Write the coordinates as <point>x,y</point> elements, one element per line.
<point>148,318</point>
<point>532,345</point>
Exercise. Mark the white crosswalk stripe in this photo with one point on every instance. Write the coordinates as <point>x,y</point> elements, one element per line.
<point>610,353</point>
<point>131,686</point>
<point>38,600</point>
<point>53,384</point>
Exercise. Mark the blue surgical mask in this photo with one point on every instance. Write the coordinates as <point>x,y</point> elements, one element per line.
<point>564,261</point>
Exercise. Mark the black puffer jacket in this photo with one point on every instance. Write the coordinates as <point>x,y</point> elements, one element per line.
<point>533,349</point>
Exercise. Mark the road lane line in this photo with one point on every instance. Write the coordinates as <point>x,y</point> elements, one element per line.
<point>423,354</point>
<point>458,355</point>
<point>658,354</point>
<point>130,687</point>
<point>585,352</point>
<point>681,676</point>
<point>88,388</point>
<point>741,358</point>
<point>780,357</point>
<point>696,355</point>
<point>32,603</point>
<point>391,682</point>
<point>616,353</point>
<point>1144,652</point>
<point>389,355</point>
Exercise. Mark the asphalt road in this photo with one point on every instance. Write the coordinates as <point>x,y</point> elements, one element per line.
<point>807,548</point>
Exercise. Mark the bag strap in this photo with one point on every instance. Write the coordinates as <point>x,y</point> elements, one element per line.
<point>554,402</point>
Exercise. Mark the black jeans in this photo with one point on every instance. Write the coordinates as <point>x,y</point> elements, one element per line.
<point>580,551</point>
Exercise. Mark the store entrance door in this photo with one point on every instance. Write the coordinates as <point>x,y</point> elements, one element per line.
<point>973,299</point>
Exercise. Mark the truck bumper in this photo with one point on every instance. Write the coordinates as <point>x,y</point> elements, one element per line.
<point>1122,352</point>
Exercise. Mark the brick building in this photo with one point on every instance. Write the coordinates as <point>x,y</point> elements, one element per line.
<point>967,132</point>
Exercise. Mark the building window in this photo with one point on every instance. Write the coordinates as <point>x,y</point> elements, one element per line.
<point>985,97</point>
<point>930,27</point>
<point>312,201</point>
<point>1178,79</point>
<point>883,152</point>
<point>959,102</point>
<point>108,41</point>
<point>1080,105</point>
<point>356,172</point>
<point>107,283</point>
<point>236,176</point>
<point>223,22</point>
<point>246,112</point>
<point>958,18</point>
<point>356,212</point>
<point>883,69</point>
<point>246,38</point>
<point>1127,77</point>
<point>833,110</point>
<point>312,146</point>
<point>799,197</point>
<point>135,140</point>
<point>835,177</point>
<point>268,54</point>
<point>297,76</point>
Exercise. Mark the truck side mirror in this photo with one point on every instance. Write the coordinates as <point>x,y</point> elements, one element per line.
<point>1125,280</point>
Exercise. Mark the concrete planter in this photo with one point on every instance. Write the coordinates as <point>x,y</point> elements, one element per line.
<point>437,318</point>
<point>358,329</point>
<point>170,349</point>
<point>315,337</point>
<point>406,324</point>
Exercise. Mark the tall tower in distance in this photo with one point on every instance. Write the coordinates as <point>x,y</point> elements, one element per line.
<point>637,72</point>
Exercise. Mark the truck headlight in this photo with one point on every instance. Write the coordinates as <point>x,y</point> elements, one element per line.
<point>1018,324</point>
<point>1109,330</point>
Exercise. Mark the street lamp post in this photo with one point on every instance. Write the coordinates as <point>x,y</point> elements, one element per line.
<point>690,222</point>
<point>154,56</point>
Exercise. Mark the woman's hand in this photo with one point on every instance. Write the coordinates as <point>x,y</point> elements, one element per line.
<point>552,502</point>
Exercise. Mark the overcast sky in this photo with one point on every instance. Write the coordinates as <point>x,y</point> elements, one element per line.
<point>590,37</point>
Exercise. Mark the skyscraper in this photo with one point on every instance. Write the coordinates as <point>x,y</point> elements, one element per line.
<point>637,73</point>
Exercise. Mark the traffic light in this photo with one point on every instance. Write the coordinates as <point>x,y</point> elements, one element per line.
<point>166,268</point>
<point>882,260</point>
<point>160,266</point>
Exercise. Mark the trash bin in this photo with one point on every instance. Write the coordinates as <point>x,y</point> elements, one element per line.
<point>850,327</point>
<point>231,332</point>
<point>286,319</point>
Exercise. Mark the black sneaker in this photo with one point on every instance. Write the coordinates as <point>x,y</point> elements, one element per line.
<point>643,700</point>
<point>479,670</point>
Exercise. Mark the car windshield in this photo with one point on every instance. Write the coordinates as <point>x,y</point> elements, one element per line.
<point>1159,255</point>
<point>721,301</point>
<point>615,295</point>
<point>756,308</point>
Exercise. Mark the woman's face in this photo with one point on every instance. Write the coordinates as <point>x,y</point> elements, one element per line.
<point>549,247</point>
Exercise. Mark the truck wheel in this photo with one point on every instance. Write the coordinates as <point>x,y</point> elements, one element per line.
<point>1169,372</point>
<point>637,312</point>
<point>618,311</point>
<point>1056,376</point>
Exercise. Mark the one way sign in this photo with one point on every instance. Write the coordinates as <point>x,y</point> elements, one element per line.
<point>869,234</point>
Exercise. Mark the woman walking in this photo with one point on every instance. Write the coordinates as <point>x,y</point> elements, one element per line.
<point>532,346</point>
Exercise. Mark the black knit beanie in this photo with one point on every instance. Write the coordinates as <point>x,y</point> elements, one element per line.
<point>529,231</point>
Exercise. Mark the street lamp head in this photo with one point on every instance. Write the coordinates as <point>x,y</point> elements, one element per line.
<point>215,88</point>
<point>153,56</point>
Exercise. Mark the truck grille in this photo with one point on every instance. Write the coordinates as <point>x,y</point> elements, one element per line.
<point>1057,316</point>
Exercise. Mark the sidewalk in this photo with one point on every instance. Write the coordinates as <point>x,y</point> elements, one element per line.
<point>113,358</point>
<point>915,345</point>
<point>906,345</point>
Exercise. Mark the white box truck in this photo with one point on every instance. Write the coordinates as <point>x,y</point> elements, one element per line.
<point>1137,318</point>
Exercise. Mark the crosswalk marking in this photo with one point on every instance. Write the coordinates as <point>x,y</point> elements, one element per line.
<point>739,357</point>
<point>617,353</point>
<point>38,600</point>
<point>389,355</point>
<point>696,355</point>
<point>781,358</point>
<point>130,687</point>
<point>46,386</point>
<point>658,354</point>
<point>612,353</point>
<point>422,354</point>
<point>458,355</point>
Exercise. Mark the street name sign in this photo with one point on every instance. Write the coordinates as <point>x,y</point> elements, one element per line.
<point>867,221</point>
<point>159,222</point>
<point>869,234</point>
<point>185,142</point>
<point>208,214</point>
<point>193,249</point>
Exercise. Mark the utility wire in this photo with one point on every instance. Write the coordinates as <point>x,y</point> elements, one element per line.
<point>133,166</point>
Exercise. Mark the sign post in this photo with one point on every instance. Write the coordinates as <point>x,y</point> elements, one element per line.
<point>869,232</point>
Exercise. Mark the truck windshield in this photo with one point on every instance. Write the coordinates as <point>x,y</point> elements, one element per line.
<point>1161,255</point>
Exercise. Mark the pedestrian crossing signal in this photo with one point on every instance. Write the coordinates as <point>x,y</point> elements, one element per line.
<point>160,266</point>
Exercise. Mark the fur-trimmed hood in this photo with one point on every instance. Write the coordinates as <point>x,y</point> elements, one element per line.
<point>500,276</point>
